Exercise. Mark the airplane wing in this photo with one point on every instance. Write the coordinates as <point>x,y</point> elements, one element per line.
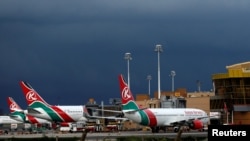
<point>18,110</point>
<point>86,114</point>
<point>111,117</point>
<point>133,111</point>
<point>113,111</point>
<point>121,112</point>
<point>13,116</point>
<point>176,123</point>
<point>186,122</point>
<point>200,118</point>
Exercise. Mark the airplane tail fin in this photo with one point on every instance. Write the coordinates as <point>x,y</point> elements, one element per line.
<point>31,95</point>
<point>16,112</point>
<point>128,101</point>
<point>13,106</point>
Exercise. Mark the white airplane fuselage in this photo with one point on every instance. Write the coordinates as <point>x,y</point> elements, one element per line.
<point>8,120</point>
<point>165,116</point>
<point>59,113</point>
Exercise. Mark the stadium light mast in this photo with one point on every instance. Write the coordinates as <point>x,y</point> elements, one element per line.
<point>149,77</point>
<point>172,74</point>
<point>158,49</point>
<point>128,58</point>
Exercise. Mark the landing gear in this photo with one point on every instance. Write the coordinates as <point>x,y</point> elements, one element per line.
<point>155,129</point>
<point>158,128</point>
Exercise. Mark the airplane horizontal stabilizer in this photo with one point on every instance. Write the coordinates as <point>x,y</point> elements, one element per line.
<point>18,110</point>
<point>33,111</point>
<point>134,110</point>
<point>14,116</point>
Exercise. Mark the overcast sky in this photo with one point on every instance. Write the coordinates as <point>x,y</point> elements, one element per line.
<point>70,51</point>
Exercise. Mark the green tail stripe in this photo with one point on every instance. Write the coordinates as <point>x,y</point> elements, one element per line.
<point>53,115</point>
<point>19,115</point>
<point>131,105</point>
<point>144,118</point>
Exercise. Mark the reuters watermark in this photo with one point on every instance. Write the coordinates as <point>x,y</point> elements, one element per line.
<point>241,132</point>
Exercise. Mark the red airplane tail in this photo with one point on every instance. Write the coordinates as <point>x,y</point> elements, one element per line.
<point>13,106</point>
<point>125,92</point>
<point>30,94</point>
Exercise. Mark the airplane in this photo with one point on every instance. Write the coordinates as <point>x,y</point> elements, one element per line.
<point>61,115</point>
<point>160,118</point>
<point>39,108</point>
<point>17,113</point>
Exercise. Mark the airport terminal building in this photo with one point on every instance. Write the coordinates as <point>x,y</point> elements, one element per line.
<point>232,91</point>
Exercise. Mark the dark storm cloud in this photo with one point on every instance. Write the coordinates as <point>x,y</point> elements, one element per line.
<point>70,51</point>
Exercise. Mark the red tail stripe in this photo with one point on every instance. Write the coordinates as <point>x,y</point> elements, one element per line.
<point>152,118</point>
<point>65,116</point>
<point>32,119</point>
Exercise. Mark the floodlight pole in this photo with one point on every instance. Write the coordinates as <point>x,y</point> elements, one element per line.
<point>149,77</point>
<point>128,58</point>
<point>158,49</point>
<point>172,75</point>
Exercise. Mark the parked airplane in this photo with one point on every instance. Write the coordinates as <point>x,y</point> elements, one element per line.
<point>160,118</point>
<point>17,113</point>
<point>38,107</point>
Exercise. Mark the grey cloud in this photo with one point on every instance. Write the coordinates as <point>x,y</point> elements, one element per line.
<point>77,48</point>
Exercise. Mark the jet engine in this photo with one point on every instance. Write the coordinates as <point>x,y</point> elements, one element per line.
<point>196,124</point>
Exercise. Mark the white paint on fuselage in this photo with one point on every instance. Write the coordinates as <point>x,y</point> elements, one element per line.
<point>8,120</point>
<point>167,116</point>
<point>75,112</point>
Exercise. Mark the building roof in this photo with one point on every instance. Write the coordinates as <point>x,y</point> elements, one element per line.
<point>235,71</point>
<point>243,65</point>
